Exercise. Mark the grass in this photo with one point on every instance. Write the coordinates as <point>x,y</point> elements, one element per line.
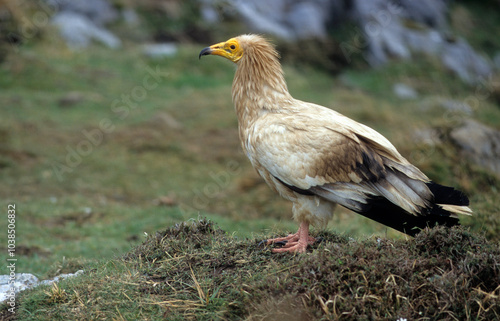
<point>196,271</point>
<point>96,163</point>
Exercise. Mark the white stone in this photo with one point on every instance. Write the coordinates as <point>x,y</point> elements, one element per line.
<point>25,281</point>
<point>404,92</point>
<point>159,50</point>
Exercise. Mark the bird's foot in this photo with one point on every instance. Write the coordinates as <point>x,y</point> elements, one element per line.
<point>289,240</point>
<point>295,243</point>
<point>284,240</point>
<point>299,246</point>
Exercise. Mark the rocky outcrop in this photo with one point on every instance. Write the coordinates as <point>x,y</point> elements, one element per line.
<point>478,143</point>
<point>81,22</point>
<point>385,29</point>
<point>12,284</point>
<point>79,31</point>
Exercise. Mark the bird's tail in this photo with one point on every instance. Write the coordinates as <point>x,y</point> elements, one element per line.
<point>447,204</point>
<point>448,201</point>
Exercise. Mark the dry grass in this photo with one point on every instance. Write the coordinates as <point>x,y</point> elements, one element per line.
<point>195,270</point>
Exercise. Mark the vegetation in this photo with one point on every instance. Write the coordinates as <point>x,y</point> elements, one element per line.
<point>197,271</point>
<point>100,149</point>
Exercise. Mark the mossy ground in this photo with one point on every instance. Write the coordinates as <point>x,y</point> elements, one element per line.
<point>196,271</point>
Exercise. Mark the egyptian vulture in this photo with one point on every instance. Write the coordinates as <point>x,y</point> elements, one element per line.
<point>317,158</point>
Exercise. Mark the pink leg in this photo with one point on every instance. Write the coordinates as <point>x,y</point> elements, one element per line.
<point>297,242</point>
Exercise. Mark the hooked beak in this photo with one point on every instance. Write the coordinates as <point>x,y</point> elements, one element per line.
<point>218,49</point>
<point>205,51</point>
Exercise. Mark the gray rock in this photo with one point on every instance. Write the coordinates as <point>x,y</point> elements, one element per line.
<point>307,20</point>
<point>496,60</point>
<point>21,282</point>
<point>79,31</point>
<point>388,34</point>
<point>25,281</point>
<point>479,143</point>
<point>130,17</point>
<point>455,106</point>
<point>429,12</point>
<point>208,12</point>
<point>387,29</point>
<point>159,50</point>
<point>428,136</point>
<point>459,57</point>
<point>404,92</point>
<point>61,277</point>
<point>71,98</point>
<point>99,12</point>
<point>256,16</point>
<point>426,41</point>
<point>287,19</point>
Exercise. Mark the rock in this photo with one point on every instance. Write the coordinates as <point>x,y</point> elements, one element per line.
<point>383,32</point>
<point>429,12</point>
<point>208,12</point>
<point>386,29</point>
<point>80,22</point>
<point>287,19</point>
<point>496,60</point>
<point>479,143</point>
<point>428,136</point>
<point>459,57</point>
<point>25,281</point>
<point>425,41</point>
<point>455,106</point>
<point>21,282</point>
<point>308,20</point>
<point>61,277</point>
<point>70,99</point>
<point>255,14</point>
<point>130,17</point>
<point>159,50</point>
<point>404,92</point>
<point>99,12</point>
<point>79,31</point>
<point>399,30</point>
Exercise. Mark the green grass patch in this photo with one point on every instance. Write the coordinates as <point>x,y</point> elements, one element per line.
<point>196,271</point>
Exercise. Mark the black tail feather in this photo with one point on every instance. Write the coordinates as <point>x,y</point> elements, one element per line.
<point>389,214</point>
<point>447,195</point>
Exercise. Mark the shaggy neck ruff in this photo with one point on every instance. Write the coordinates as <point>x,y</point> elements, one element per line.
<point>259,85</point>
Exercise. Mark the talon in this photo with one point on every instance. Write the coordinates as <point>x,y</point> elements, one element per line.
<point>297,242</point>
<point>282,243</point>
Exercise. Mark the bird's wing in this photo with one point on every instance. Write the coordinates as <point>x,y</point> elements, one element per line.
<point>325,153</point>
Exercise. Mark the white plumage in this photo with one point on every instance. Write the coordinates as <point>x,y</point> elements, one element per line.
<point>317,158</point>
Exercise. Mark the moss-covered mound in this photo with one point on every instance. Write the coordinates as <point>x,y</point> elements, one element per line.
<point>197,270</point>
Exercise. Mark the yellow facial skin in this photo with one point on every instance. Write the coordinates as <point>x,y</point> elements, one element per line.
<point>230,49</point>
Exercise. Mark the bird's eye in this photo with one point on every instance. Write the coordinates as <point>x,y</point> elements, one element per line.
<point>233,47</point>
